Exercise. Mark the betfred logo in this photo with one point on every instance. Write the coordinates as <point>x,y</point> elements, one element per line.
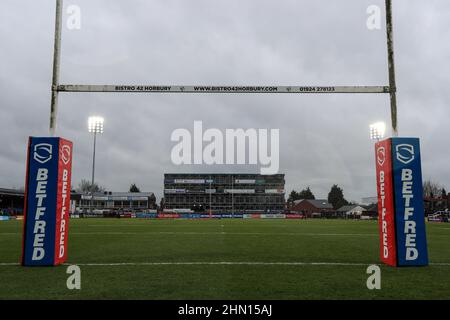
<point>39,222</point>
<point>381,155</point>
<point>43,152</point>
<point>63,212</point>
<point>405,153</point>
<point>384,226</point>
<point>409,230</point>
<point>65,154</point>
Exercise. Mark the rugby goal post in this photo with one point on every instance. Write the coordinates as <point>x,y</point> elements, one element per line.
<point>149,88</point>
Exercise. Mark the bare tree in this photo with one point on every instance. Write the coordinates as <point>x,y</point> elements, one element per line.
<point>85,186</point>
<point>134,188</point>
<point>432,189</point>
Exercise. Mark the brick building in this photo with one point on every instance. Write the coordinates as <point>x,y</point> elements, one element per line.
<point>313,207</point>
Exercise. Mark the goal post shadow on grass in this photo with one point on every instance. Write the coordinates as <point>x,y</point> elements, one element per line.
<point>57,87</point>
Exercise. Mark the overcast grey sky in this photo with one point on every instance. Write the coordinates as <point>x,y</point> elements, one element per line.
<point>323,139</point>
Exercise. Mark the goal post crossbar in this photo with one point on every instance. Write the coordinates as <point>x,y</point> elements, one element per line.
<point>201,89</point>
<point>57,87</point>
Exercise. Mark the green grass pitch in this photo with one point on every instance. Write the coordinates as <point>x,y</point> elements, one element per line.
<point>223,259</point>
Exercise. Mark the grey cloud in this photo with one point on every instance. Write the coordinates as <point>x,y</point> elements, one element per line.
<point>324,139</point>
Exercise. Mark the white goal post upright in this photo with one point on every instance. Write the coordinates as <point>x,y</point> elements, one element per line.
<point>56,67</point>
<point>391,66</point>
<point>148,88</point>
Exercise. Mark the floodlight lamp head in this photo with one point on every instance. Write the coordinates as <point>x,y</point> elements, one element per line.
<point>95,124</point>
<point>377,131</point>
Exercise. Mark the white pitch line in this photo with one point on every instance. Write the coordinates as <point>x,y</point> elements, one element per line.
<point>106,233</point>
<point>237,263</point>
<point>147,225</point>
<point>222,233</point>
<point>175,225</point>
<point>224,263</point>
<point>230,233</point>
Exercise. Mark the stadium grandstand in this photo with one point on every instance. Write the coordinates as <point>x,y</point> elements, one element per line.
<point>225,192</point>
<point>112,201</point>
<point>11,202</point>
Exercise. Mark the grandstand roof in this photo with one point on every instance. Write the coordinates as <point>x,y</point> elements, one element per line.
<point>11,192</point>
